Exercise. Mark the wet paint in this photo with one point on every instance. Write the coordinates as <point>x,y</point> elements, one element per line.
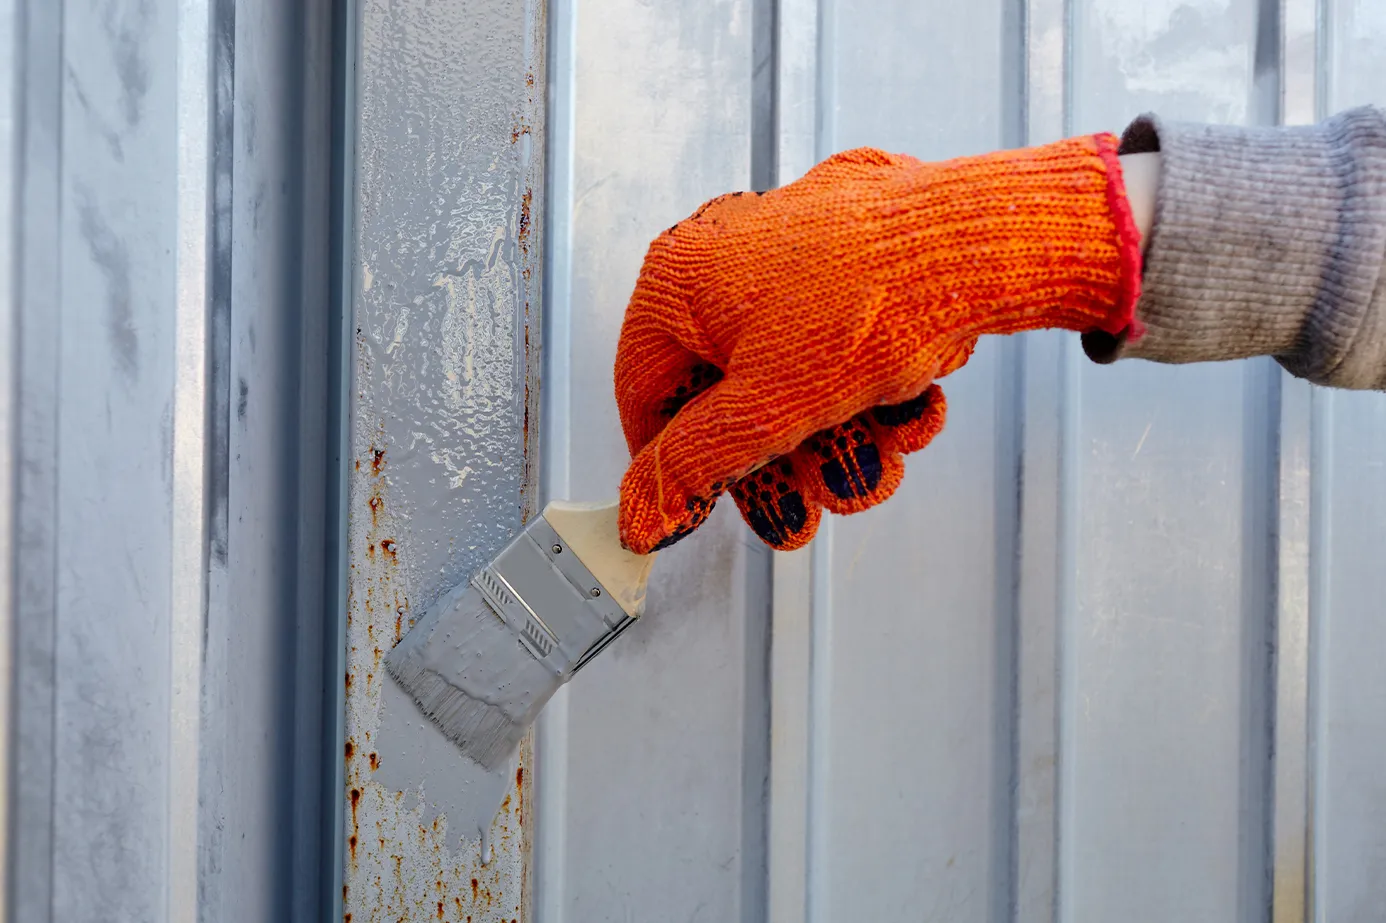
<point>445,319</point>
<point>418,761</point>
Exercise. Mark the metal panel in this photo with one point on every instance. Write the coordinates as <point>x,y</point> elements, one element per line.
<point>1108,655</point>
<point>10,81</point>
<point>1348,694</point>
<point>445,268</point>
<point>166,740</point>
<point>1163,702</point>
<point>913,603</point>
<point>661,743</point>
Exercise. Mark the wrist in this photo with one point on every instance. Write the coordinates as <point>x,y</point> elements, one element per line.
<point>1142,176</point>
<point>1037,237</point>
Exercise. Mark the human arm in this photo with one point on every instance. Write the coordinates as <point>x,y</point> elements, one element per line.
<point>1266,242</point>
<point>1142,176</point>
<point>1251,242</point>
<point>807,326</point>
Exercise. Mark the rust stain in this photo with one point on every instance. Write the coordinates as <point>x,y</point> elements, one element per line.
<point>525,205</point>
<point>529,79</point>
<point>373,591</point>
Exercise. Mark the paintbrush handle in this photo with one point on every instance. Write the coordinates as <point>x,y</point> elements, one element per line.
<point>590,530</point>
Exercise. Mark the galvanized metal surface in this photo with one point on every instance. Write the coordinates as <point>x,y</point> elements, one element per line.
<point>10,72</point>
<point>1113,653</point>
<point>652,763</point>
<point>1107,655</point>
<point>170,392</point>
<point>445,248</point>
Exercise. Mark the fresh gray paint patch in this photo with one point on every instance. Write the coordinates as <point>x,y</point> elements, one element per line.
<point>416,759</point>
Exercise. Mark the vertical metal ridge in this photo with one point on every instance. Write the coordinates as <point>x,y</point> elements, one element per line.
<point>1299,61</point>
<point>755,564</point>
<point>38,275</point>
<point>1066,582</point>
<point>1289,835</point>
<point>796,118</point>
<point>1015,72</point>
<point>1268,60</point>
<point>1261,414</point>
<point>1320,552</point>
<point>310,736</point>
<point>340,373</point>
<point>1069,14</point>
<point>1320,617</point>
<point>1048,382</point>
<point>1323,51</point>
<point>791,618</point>
<point>1262,419</point>
<point>1010,501</point>
<point>818,897</point>
<point>765,70</point>
<point>551,796</point>
<point>551,731</point>
<point>758,561</point>
<point>1009,484</point>
<point>825,102</point>
<point>754,570</point>
<point>1036,614</point>
<point>189,526</point>
<point>1290,740</point>
<point>1070,408</point>
<point>11,129</point>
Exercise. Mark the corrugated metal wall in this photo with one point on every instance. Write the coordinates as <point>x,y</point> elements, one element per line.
<point>1112,653</point>
<point>164,195</point>
<point>448,103</point>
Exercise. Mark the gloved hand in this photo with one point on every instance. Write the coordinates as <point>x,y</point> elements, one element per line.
<point>797,334</point>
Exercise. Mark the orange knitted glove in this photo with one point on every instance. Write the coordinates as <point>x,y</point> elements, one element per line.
<point>805,326</point>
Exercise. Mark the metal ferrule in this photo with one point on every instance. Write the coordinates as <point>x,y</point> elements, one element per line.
<point>559,611</point>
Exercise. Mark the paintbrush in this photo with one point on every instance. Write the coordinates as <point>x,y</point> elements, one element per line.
<point>488,655</point>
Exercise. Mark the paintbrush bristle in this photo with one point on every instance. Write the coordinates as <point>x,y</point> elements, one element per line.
<point>468,672</point>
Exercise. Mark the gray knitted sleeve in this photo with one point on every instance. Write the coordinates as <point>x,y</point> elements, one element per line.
<point>1267,242</point>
